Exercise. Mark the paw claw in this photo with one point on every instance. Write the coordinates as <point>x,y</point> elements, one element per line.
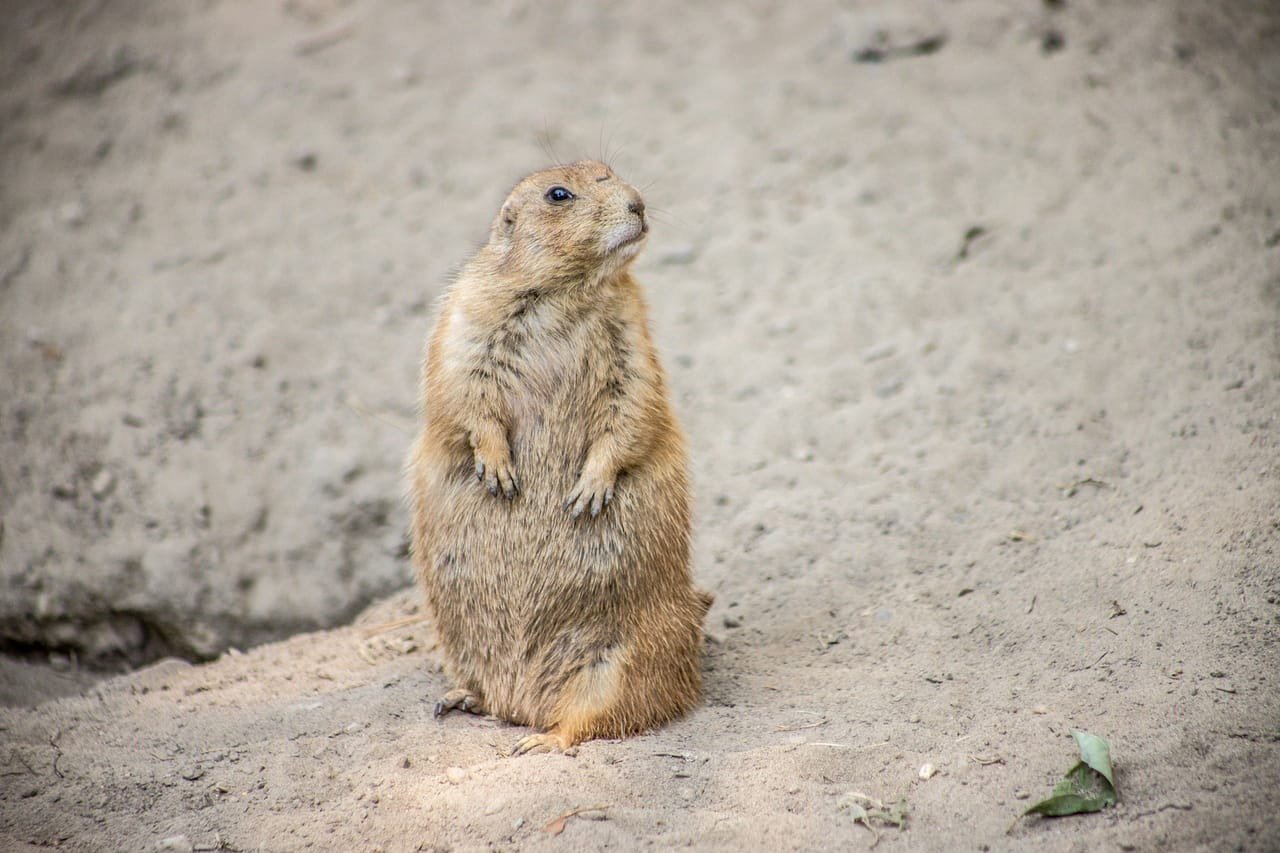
<point>536,743</point>
<point>457,699</point>
<point>590,495</point>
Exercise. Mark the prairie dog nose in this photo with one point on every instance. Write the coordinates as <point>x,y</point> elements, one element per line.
<point>637,207</point>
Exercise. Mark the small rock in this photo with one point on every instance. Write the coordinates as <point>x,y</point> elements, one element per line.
<point>73,214</point>
<point>678,255</point>
<point>495,806</point>
<point>305,160</point>
<point>879,352</point>
<point>176,842</point>
<point>927,771</point>
<point>1040,709</point>
<point>686,793</point>
<point>65,491</point>
<point>406,764</point>
<point>1052,41</point>
<point>888,389</point>
<point>1020,795</point>
<point>517,823</point>
<point>102,484</point>
<point>732,621</point>
<point>192,773</point>
<point>455,774</point>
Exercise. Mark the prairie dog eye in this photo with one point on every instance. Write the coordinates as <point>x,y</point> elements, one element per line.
<point>559,195</point>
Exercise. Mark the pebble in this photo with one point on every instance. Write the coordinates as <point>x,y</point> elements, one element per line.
<point>878,352</point>
<point>732,621</point>
<point>102,484</point>
<point>455,774</point>
<point>888,389</point>
<point>1020,795</point>
<point>192,773</point>
<point>927,771</point>
<point>495,806</point>
<point>176,842</point>
<point>73,214</point>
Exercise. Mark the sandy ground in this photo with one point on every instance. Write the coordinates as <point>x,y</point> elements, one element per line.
<point>970,310</point>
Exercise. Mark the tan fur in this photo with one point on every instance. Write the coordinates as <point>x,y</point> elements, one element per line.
<point>549,488</point>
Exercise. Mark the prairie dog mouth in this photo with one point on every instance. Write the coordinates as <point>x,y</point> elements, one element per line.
<point>629,236</point>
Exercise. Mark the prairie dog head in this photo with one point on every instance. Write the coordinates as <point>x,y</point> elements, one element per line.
<point>575,221</point>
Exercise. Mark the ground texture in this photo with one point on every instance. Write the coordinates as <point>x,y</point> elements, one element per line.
<point>970,311</point>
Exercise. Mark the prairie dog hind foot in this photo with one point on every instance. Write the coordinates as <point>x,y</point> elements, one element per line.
<point>459,699</point>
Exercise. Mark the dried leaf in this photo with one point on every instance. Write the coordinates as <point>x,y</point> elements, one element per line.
<point>864,810</point>
<point>555,827</point>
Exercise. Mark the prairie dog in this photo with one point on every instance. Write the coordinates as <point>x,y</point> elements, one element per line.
<point>550,497</point>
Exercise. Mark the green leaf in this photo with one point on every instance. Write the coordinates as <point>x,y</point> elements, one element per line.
<point>1096,752</point>
<point>1088,787</point>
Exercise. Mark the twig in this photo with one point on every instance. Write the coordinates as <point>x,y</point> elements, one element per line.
<point>555,826</point>
<point>57,752</point>
<point>846,745</point>
<point>822,722</point>
<point>1095,663</point>
<point>1182,807</point>
<point>1070,488</point>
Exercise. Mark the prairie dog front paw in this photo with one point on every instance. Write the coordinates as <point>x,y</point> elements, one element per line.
<point>497,474</point>
<point>593,492</point>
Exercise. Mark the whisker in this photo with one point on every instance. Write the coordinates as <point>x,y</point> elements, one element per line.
<point>547,145</point>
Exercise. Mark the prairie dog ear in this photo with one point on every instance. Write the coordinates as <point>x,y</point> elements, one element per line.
<point>505,222</point>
